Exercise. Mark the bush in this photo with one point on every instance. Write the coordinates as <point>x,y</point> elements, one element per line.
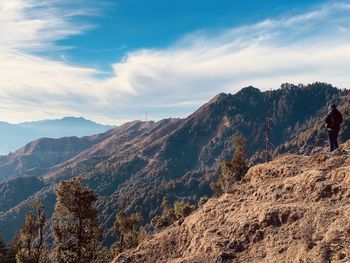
<point>170,214</point>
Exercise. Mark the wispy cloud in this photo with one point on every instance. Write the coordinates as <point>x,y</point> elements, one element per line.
<point>303,48</point>
<point>309,47</point>
<point>34,87</point>
<point>37,24</point>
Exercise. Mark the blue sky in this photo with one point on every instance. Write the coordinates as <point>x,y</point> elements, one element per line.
<point>127,25</point>
<point>112,60</point>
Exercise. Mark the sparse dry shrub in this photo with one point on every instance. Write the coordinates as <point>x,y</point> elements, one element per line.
<point>170,214</point>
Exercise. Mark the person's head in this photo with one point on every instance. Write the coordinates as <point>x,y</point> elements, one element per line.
<point>332,106</point>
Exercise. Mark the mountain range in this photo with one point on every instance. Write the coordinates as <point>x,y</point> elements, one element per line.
<point>133,167</point>
<point>14,136</point>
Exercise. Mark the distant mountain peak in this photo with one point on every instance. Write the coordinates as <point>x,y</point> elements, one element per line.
<point>14,136</point>
<point>74,118</point>
<point>67,120</point>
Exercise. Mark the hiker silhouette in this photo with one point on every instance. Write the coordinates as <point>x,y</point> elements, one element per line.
<point>333,122</point>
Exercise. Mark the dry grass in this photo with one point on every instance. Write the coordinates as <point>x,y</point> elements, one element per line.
<point>293,209</point>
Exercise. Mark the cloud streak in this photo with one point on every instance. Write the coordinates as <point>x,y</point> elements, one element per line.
<point>34,25</point>
<point>305,48</point>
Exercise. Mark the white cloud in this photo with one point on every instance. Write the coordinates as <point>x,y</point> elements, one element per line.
<point>38,24</point>
<point>303,48</point>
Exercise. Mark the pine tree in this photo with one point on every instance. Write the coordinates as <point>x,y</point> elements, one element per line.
<point>166,218</point>
<point>234,170</point>
<point>237,167</point>
<point>127,231</point>
<point>183,209</point>
<point>30,243</point>
<point>168,214</point>
<point>105,255</point>
<point>76,226</point>
<point>13,249</point>
<point>3,251</point>
<point>267,131</point>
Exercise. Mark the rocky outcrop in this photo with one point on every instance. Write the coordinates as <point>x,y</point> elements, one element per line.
<point>293,209</point>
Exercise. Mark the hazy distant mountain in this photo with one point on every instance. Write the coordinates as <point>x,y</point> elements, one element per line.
<point>37,157</point>
<point>133,167</point>
<point>14,136</point>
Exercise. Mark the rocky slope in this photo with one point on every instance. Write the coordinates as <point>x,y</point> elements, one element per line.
<point>132,168</point>
<point>293,209</point>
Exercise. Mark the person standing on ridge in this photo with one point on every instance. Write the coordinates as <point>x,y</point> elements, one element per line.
<point>333,121</point>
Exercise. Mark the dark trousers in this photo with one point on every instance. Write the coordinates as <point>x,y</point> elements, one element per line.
<point>333,139</point>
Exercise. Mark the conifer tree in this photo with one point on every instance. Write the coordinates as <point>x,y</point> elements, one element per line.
<point>168,214</point>
<point>30,242</point>
<point>76,226</point>
<point>3,251</point>
<point>127,231</point>
<point>105,255</point>
<point>182,209</point>
<point>13,249</point>
<point>267,131</point>
<point>237,167</point>
<point>166,218</point>
<point>234,170</point>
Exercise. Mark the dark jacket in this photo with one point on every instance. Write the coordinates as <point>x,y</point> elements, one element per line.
<point>333,120</point>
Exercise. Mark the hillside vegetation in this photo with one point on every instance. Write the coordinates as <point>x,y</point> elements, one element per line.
<point>293,209</point>
<point>134,167</point>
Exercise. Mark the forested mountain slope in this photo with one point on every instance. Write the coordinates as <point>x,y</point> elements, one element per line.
<point>37,157</point>
<point>132,168</point>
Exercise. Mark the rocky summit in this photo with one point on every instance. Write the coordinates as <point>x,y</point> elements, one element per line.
<point>293,209</point>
